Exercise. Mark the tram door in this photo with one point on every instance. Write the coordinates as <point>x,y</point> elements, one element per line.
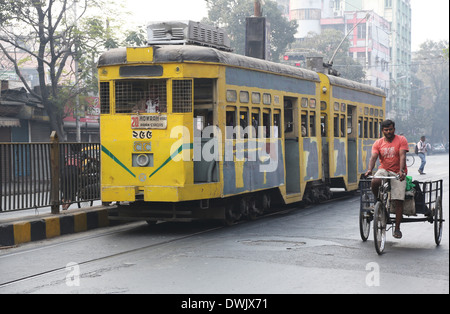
<point>291,143</point>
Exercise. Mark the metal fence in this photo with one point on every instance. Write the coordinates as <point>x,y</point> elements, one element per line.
<point>52,174</point>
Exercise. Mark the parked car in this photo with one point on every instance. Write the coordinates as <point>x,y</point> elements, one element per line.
<point>437,148</point>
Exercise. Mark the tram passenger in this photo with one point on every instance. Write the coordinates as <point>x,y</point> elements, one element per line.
<point>148,104</point>
<point>391,149</point>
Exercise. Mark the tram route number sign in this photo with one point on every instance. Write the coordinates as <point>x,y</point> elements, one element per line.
<point>142,134</point>
<point>149,122</point>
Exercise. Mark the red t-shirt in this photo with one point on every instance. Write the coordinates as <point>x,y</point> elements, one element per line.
<point>389,153</point>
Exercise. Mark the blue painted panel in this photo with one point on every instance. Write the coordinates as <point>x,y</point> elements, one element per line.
<point>269,81</point>
<point>253,176</point>
<point>356,96</point>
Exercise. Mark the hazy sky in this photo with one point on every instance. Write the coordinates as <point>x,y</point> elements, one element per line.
<point>430,18</point>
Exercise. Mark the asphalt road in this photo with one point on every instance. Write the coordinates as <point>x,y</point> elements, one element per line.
<point>316,249</point>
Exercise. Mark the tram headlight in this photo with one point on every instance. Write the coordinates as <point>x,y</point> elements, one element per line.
<point>142,160</point>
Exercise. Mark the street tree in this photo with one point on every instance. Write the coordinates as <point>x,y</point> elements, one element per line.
<point>59,39</point>
<point>231,15</point>
<point>431,67</point>
<point>324,45</point>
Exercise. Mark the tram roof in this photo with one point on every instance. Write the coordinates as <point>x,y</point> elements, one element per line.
<point>182,53</point>
<point>339,81</point>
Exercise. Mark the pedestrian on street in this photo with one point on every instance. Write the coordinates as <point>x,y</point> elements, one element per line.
<point>422,149</point>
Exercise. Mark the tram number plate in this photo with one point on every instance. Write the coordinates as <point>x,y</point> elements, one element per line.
<point>142,134</point>
<point>149,122</point>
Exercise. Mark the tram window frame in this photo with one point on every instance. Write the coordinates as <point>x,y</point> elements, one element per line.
<point>256,98</point>
<point>349,120</point>
<point>336,106</point>
<point>375,129</point>
<point>336,125</point>
<point>360,128</point>
<point>256,121</point>
<point>230,113</point>
<point>243,111</point>
<point>276,130</point>
<point>343,107</point>
<point>312,124</point>
<point>366,127</point>
<point>231,95</point>
<point>323,105</point>
<point>304,102</point>
<point>266,122</point>
<point>244,97</point>
<point>105,97</point>
<point>323,124</point>
<point>371,134</point>
<point>267,99</point>
<point>304,129</point>
<point>288,116</point>
<point>312,103</point>
<point>182,96</point>
<point>130,92</point>
<point>342,125</point>
<point>276,99</point>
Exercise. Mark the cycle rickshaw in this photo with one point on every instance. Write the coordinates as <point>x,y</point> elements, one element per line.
<point>423,203</point>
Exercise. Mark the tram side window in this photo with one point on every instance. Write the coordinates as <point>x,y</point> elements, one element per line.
<point>230,123</point>
<point>312,124</point>
<point>104,98</point>
<point>323,125</point>
<point>146,96</point>
<point>371,129</point>
<point>204,101</point>
<point>276,125</point>
<point>266,124</point>
<point>288,116</point>
<point>255,123</point>
<point>304,121</point>
<point>343,125</point>
<point>243,122</point>
<point>366,128</point>
<point>360,128</point>
<point>377,134</point>
<point>181,96</point>
<point>336,126</point>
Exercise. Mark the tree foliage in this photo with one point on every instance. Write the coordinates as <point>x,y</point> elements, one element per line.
<point>432,69</point>
<point>324,45</point>
<point>231,15</point>
<point>53,35</point>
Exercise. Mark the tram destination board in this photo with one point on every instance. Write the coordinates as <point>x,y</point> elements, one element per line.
<point>149,122</point>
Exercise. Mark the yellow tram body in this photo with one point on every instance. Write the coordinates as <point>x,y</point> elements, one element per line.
<point>227,132</point>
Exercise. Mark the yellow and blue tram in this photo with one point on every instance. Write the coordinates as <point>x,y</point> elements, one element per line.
<point>194,132</point>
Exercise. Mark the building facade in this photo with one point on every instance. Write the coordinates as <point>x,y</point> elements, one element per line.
<point>382,44</point>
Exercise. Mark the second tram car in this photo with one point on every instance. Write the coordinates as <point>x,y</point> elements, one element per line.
<point>194,132</point>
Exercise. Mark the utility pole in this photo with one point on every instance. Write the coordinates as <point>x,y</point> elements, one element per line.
<point>77,90</point>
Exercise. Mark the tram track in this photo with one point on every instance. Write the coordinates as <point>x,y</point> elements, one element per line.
<point>102,258</point>
<point>280,210</point>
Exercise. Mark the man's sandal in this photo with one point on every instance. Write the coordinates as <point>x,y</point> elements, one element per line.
<point>397,234</point>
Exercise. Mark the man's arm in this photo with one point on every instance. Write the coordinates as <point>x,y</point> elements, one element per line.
<point>402,174</point>
<point>372,161</point>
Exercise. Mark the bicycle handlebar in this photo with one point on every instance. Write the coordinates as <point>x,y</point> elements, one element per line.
<point>397,177</point>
